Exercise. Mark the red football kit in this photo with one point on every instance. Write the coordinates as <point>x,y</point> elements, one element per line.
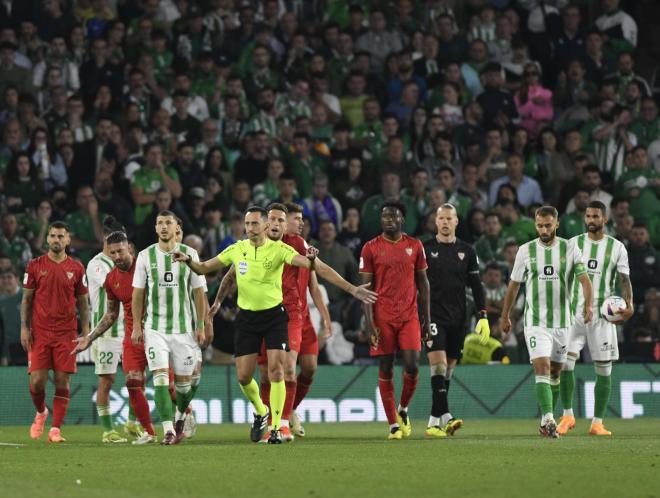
<point>393,266</point>
<point>310,342</point>
<point>119,286</point>
<point>53,322</point>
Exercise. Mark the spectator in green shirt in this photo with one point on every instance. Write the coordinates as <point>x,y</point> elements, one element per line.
<point>342,261</point>
<point>516,226</point>
<point>12,244</point>
<point>641,184</point>
<point>647,126</point>
<point>305,164</point>
<point>148,179</point>
<point>390,191</point>
<point>85,225</point>
<point>490,245</point>
<point>11,294</point>
<point>446,178</point>
<point>572,224</point>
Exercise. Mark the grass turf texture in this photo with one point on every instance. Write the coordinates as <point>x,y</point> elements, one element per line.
<point>493,458</point>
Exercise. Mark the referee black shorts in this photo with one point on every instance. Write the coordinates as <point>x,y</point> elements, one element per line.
<point>253,327</point>
<point>446,337</point>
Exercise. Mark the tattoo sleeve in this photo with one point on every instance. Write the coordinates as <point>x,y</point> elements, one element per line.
<point>626,288</point>
<point>108,319</point>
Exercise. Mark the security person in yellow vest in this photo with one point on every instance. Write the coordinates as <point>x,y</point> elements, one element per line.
<point>477,353</point>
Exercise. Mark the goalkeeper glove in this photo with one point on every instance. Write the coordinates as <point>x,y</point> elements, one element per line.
<point>483,328</point>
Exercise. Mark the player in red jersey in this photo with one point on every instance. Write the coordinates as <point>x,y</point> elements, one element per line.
<point>119,289</point>
<point>396,265</point>
<point>309,346</point>
<point>54,284</point>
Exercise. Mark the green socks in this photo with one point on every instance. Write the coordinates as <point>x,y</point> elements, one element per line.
<point>251,392</point>
<point>602,395</point>
<point>555,388</point>
<point>104,417</point>
<point>544,393</point>
<point>567,388</point>
<point>277,397</point>
<point>183,399</point>
<point>163,403</point>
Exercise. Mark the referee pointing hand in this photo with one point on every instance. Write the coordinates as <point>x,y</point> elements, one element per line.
<point>452,265</point>
<point>259,263</point>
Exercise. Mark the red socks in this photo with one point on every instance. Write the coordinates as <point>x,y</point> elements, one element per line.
<point>264,393</point>
<point>290,398</point>
<point>386,388</point>
<point>39,400</point>
<point>409,386</point>
<point>139,404</point>
<point>302,388</point>
<point>60,405</point>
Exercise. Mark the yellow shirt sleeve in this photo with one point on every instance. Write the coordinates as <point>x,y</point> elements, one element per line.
<point>226,256</point>
<point>287,252</point>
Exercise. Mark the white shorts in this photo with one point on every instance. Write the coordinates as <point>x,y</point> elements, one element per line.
<point>599,335</point>
<point>547,343</point>
<point>198,353</point>
<point>163,350</point>
<point>107,354</point>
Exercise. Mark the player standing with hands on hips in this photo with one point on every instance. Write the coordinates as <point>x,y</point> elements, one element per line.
<point>453,265</point>
<point>547,265</point>
<point>604,256</point>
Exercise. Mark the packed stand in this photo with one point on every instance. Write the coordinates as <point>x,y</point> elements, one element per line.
<point>204,108</point>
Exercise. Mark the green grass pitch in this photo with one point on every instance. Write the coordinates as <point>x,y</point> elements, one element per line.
<point>487,458</point>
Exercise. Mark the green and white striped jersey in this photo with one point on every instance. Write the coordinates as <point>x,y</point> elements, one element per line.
<point>603,259</point>
<point>169,307</point>
<point>97,269</point>
<point>548,273</point>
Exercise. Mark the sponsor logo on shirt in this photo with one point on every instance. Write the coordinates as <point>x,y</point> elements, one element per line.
<point>43,273</point>
<point>69,275</point>
<point>434,254</point>
<point>242,267</point>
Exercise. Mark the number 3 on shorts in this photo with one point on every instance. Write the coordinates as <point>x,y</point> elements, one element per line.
<point>151,353</point>
<point>532,342</point>
<point>434,329</point>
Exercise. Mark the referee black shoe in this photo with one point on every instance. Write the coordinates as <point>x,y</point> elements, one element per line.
<point>259,427</point>
<point>275,437</point>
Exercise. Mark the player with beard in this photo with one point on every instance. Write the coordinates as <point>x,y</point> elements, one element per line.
<point>118,286</point>
<point>605,257</point>
<point>396,265</point>
<point>547,265</point>
<point>259,263</point>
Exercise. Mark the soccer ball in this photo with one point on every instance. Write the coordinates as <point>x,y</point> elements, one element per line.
<point>610,306</point>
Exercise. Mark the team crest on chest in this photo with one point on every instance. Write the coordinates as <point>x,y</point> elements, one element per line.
<point>461,255</point>
<point>69,275</point>
<point>268,264</point>
<point>409,251</point>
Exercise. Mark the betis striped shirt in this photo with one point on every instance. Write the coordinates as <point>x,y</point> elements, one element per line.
<point>548,273</point>
<point>169,307</point>
<point>97,269</point>
<point>603,258</point>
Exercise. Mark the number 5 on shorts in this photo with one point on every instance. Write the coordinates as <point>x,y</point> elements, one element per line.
<point>151,353</point>
<point>532,342</point>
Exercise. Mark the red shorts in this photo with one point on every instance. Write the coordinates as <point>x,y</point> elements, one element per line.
<point>133,358</point>
<point>396,336</point>
<point>310,342</point>
<point>295,327</point>
<point>52,352</point>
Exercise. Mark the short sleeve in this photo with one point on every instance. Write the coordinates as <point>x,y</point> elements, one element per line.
<point>95,273</point>
<point>29,282</point>
<point>518,272</point>
<point>140,275</point>
<point>420,262</point>
<point>578,263</point>
<point>226,257</point>
<point>196,281</point>
<point>81,284</point>
<point>622,263</point>
<point>109,291</point>
<point>366,260</point>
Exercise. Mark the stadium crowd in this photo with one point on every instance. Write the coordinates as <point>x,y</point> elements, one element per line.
<point>127,108</point>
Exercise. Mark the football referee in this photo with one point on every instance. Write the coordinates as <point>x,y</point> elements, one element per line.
<point>452,265</point>
<point>259,263</point>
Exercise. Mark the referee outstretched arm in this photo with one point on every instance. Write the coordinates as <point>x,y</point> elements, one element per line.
<point>311,262</point>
